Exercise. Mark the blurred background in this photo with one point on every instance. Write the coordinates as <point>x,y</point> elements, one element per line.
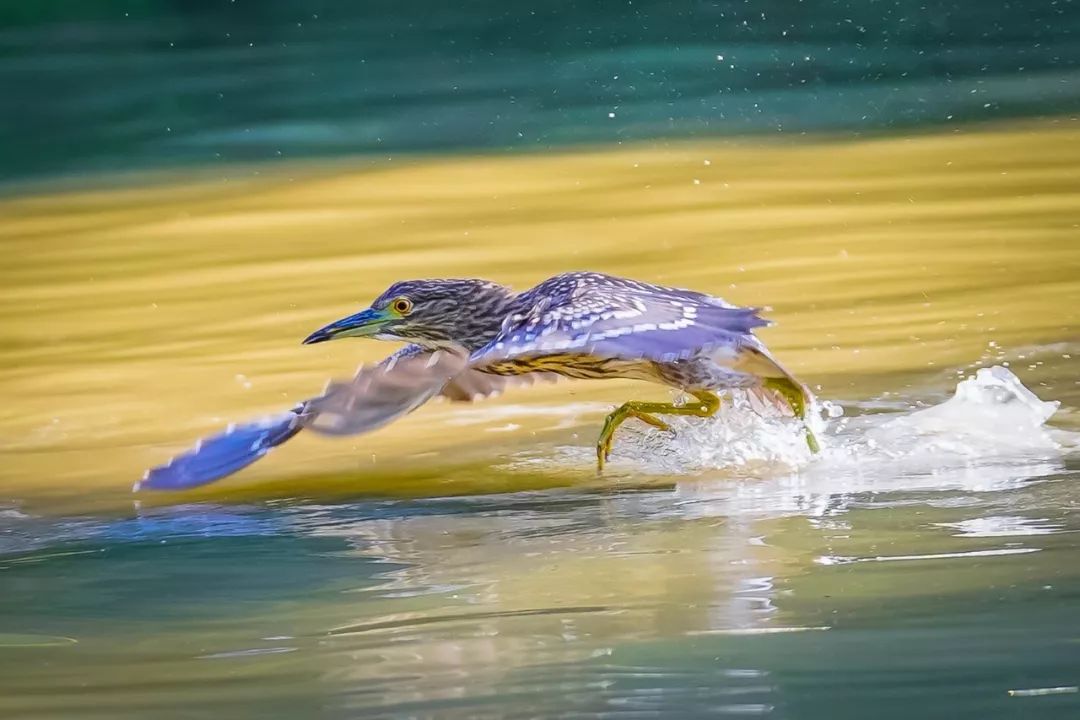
<point>189,187</point>
<point>95,85</point>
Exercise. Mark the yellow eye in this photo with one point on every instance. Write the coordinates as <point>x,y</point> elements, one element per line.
<point>402,306</point>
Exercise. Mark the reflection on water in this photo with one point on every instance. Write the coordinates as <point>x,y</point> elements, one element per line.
<point>929,557</point>
<point>727,596</point>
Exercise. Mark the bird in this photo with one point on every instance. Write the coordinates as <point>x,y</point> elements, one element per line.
<point>467,339</point>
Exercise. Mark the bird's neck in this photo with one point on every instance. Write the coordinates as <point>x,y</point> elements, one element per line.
<point>502,308</point>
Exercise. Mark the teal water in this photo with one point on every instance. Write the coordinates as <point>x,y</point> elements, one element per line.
<point>120,85</point>
<point>207,620</point>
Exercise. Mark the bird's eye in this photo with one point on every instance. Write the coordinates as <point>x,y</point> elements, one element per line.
<point>402,306</point>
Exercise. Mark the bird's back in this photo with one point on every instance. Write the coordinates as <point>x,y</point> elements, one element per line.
<point>579,293</point>
<point>614,318</point>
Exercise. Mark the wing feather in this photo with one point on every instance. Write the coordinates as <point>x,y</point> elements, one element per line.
<point>608,317</point>
<point>376,396</point>
<point>379,394</point>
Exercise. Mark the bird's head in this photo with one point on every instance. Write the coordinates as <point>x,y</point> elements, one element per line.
<point>432,313</point>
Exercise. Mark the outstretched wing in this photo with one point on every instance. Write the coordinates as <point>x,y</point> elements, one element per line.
<point>472,384</point>
<point>380,394</point>
<point>610,317</point>
<point>375,396</point>
<point>223,454</point>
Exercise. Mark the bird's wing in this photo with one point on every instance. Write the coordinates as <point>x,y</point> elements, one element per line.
<point>379,394</point>
<point>223,454</point>
<point>472,384</point>
<point>375,396</point>
<point>401,383</point>
<point>619,318</point>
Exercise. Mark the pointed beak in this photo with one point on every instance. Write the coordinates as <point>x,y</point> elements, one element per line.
<point>363,324</point>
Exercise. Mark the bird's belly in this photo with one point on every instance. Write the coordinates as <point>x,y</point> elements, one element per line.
<point>698,373</point>
<point>579,367</point>
<point>704,373</point>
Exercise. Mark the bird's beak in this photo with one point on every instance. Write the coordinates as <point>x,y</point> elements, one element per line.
<point>363,324</point>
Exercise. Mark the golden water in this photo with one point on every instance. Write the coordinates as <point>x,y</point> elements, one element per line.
<point>136,318</point>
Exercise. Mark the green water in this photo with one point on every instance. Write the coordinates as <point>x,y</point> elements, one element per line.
<point>615,604</point>
<point>98,85</point>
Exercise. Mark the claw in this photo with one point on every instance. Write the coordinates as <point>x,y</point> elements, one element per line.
<point>655,422</point>
<point>644,411</point>
<point>603,445</point>
<point>796,398</point>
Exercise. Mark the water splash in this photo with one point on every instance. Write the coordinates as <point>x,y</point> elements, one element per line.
<point>743,437</point>
<point>991,413</point>
<point>991,432</point>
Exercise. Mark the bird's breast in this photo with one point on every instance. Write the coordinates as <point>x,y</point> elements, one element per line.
<point>705,372</point>
<point>577,366</point>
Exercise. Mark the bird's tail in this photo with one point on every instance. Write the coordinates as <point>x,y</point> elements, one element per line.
<point>779,387</point>
<point>215,457</point>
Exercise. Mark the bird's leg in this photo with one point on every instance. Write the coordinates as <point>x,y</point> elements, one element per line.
<point>707,405</point>
<point>796,399</point>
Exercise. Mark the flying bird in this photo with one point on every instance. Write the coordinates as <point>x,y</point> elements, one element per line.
<point>471,338</point>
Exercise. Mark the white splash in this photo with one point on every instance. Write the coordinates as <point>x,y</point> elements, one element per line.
<point>743,437</point>
<point>990,416</point>
<point>991,413</point>
<point>991,435</point>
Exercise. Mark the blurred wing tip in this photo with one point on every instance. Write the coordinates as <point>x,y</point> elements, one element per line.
<point>220,455</point>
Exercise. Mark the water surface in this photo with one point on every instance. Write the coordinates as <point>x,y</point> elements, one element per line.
<point>115,85</point>
<point>467,562</point>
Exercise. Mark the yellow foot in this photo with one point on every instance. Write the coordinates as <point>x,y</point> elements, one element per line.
<point>707,404</point>
<point>796,400</point>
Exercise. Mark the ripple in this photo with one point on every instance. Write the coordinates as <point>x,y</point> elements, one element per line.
<point>1036,692</point>
<point>463,617</point>
<point>251,652</point>
<point>760,630</point>
<point>1004,526</point>
<point>27,640</point>
<point>842,560</point>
